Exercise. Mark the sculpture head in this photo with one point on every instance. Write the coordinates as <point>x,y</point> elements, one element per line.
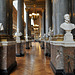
<point>67,17</point>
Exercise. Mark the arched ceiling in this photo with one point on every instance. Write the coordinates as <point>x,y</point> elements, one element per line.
<point>35,5</point>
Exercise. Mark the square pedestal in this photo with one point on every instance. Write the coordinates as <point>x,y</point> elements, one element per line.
<point>7,58</point>
<point>20,49</point>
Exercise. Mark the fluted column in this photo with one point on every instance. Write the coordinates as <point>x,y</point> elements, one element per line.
<point>60,8</point>
<point>48,15</point>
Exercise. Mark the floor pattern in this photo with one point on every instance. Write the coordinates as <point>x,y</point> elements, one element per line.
<point>33,63</point>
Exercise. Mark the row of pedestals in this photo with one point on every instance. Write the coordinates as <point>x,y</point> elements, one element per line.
<point>62,56</point>
<point>8,52</point>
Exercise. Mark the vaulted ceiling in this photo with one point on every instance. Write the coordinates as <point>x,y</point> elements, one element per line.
<point>33,5</point>
<point>36,6</point>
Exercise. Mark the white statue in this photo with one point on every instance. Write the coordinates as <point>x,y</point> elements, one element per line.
<point>1,27</point>
<point>50,33</point>
<point>67,26</point>
<point>18,34</point>
<point>27,37</point>
<point>44,36</point>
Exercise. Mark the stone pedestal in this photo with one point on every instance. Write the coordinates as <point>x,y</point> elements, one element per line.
<point>20,49</point>
<point>62,57</point>
<point>27,45</point>
<point>42,44</point>
<point>7,57</point>
<point>47,49</point>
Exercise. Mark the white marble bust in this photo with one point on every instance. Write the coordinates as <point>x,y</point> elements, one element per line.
<point>67,26</point>
<point>18,34</point>
<point>1,27</point>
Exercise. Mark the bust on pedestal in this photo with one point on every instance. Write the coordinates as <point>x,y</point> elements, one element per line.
<point>68,27</point>
<point>18,34</point>
<point>50,33</point>
<point>44,36</point>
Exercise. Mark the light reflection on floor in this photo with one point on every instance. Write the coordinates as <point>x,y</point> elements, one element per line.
<point>33,63</point>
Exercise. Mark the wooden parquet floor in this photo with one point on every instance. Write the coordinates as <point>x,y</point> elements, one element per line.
<point>33,63</point>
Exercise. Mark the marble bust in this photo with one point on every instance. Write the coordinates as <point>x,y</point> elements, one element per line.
<point>68,27</point>
<point>1,27</point>
<point>50,33</point>
<point>44,36</point>
<point>18,34</point>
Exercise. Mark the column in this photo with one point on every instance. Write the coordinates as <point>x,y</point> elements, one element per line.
<point>10,17</point>
<point>6,8</point>
<point>43,28</point>
<point>48,15</point>
<point>54,17</point>
<point>60,8</point>
<point>43,23</point>
<point>20,29</point>
<point>20,17</point>
<point>72,12</point>
<point>7,47</point>
<point>29,28</point>
<point>27,32</point>
<point>27,18</point>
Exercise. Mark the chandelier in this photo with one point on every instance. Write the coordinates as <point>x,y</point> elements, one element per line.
<point>34,16</point>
